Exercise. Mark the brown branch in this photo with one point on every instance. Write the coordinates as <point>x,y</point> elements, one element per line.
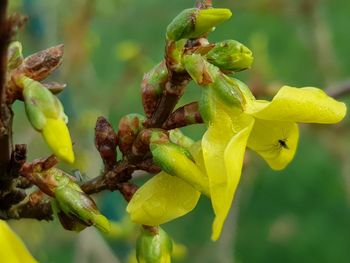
<point>341,90</point>
<point>184,116</point>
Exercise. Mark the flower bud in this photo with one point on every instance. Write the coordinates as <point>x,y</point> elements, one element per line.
<point>45,113</point>
<point>129,127</point>
<point>77,206</point>
<point>14,55</point>
<point>194,22</point>
<point>154,247</point>
<point>178,161</point>
<point>230,55</point>
<point>152,87</point>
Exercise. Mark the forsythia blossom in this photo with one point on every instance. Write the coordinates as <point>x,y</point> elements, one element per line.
<point>235,120</point>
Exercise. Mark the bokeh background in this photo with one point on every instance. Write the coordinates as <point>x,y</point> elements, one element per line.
<point>301,214</point>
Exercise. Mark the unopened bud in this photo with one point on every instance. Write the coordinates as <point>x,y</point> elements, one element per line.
<point>75,204</point>
<point>178,161</point>
<point>14,55</point>
<point>230,55</point>
<point>194,22</point>
<point>45,113</point>
<point>129,127</point>
<point>154,247</point>
<point>152,87</point>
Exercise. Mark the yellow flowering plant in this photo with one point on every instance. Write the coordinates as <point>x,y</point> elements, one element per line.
<point>183,169</point>
<point>235,120</point>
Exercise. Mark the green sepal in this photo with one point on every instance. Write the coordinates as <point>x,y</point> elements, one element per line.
<point>202,72</point>
<point>230,55</point>
<point>154,247</point>
<point>227,90</point>
<point>176,136</point>
<point>156,77</point>
<point>14,55</point>
<point>73,202</point>
<point>175,52</point>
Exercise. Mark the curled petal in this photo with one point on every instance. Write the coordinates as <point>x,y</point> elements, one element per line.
<point>162,199</point>
<point>223,140</point>
<point>276,142</point>
<point>308,105</point>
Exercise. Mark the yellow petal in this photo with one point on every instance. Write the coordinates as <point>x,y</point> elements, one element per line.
<point>223,151</point>
<point>12,250</point>
<point>274,141</point>
<point>162,199</point>
<point>56,135</point>
<point>308,105</point>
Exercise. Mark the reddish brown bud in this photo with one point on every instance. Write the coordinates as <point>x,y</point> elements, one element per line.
<point>152,87</point>
<point>186,115</point>
<point>41,64</point>
<point>129,127</point>
<point>106,141</point>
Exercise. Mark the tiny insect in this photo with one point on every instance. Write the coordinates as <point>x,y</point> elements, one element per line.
<point>283,143</point>
<point>77,174</point>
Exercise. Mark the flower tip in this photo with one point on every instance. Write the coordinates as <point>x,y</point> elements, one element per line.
<point>56,135</point>
<point>66,154</point>
<point>209,18</point>
<point>102,223</point>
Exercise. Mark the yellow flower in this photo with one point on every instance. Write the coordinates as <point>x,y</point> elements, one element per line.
<point>12,250</point>
<point>268,128</point>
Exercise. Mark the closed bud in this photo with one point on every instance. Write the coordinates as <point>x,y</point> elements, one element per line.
<point>154,247</point>
<point>227,90</point>
<point>45,113</point>
<point>152,87</point>
<point>129,127</point>
<point>178,161</point>
<point>14,55</point>
<point>230,55</point>
<point>194,22</point>
<point>75,204</point>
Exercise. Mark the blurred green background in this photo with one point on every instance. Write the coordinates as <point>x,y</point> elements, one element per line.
<point>301,214</point>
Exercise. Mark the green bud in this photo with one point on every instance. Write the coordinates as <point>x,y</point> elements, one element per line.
<point>178,161</point>
<point>75,204</point>
<point>176,136</point>
<point>227,90</point>
<point>230,55</point>
<point>154,247</point>
<point>14,55</point>
<point>194,22</point>
<point>152,87</point>
<point>175,50</point>
<point>40,103</point>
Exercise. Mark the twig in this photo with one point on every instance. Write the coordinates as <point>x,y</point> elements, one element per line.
<point>338,91</point>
